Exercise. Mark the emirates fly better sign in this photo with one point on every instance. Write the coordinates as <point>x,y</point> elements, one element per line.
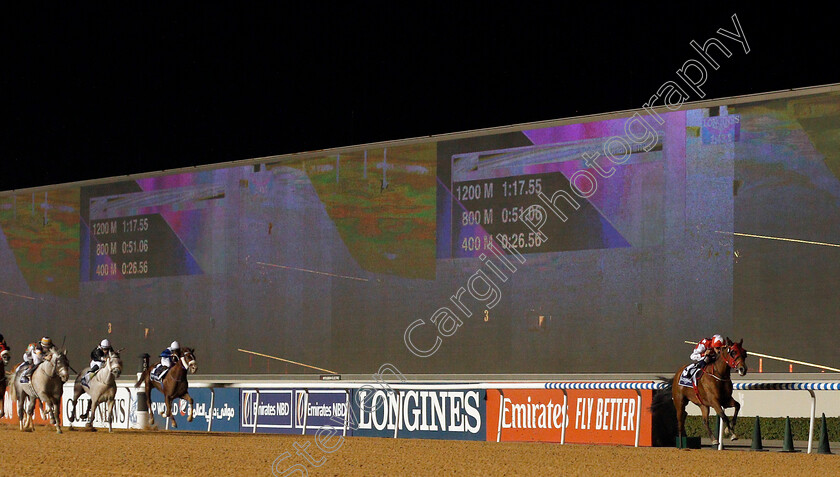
<point>590,416</point>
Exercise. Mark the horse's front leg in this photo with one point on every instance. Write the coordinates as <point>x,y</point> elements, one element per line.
<point>110,412</point>
<point>726,423</point>
<point>189,399</point>
<point>737,406</point>
<point>91,413</point>
<point>55,414</point>
<point>169,414</point>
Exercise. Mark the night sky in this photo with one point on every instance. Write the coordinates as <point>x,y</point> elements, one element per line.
<point>90,93</point>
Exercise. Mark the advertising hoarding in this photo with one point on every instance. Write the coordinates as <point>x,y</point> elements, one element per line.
<point>590,416</point>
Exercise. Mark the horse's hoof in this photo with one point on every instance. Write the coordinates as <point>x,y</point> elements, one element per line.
<point>715,442</point>
<point>733,438</point>
<point>58,430</point>
<point>189,419</point>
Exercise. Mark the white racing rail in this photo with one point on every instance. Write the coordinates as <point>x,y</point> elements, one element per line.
<point>737,386</point>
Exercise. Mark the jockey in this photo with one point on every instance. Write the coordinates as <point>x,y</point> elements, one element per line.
<point>170,355</point>
<point>4,348</point>
<point>99,355</point>
<point>27,356</point>
<point>706,350</point>
<point>37,352</point>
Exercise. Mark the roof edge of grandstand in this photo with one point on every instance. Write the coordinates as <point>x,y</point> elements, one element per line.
<point>727,100</point>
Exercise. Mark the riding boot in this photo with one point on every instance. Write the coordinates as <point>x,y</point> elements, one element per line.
<point>699,366</point>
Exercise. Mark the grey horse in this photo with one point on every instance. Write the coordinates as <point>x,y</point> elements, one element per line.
<point>101,388</point>
<point>46,384</point>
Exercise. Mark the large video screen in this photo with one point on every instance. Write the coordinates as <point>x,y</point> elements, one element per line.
<point>431,255</point>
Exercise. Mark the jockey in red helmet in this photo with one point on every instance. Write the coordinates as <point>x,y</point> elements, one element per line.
<point>706,350</point>
<point>5,352</point>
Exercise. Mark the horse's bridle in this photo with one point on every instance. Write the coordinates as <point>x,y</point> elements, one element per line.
<point>118,362</point>
<point>54,363</point>
<point>186,364</point>
<point>731,361</point>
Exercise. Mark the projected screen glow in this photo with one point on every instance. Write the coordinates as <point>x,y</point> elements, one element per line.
<point>728,223</point>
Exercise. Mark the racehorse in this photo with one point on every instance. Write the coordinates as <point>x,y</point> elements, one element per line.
<point>46,384</point>
<point>714,389</point>
<point>101,388</point>
<point>174,384</point>
<point>5,357</point>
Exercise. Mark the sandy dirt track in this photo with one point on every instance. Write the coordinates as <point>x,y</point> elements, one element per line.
<point>127,453</point>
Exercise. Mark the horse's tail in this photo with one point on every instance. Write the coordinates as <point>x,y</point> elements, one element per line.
<point>10,385</point>
<point>664,416</point>
<point>141,379</point>
<point>145,357</point>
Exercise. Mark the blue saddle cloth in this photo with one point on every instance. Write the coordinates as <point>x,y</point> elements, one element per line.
<point>158,372</point>
<point>691,374</point>
<point>85,381</point>
<point>24,379</point>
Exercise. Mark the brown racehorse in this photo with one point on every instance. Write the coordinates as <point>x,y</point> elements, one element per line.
<point>174,384</point>
<point>714,389</point>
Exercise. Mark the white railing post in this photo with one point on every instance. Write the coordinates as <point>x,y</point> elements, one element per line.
<point>212,403</point>
<point>399,413</point>
<point>501,414</point>
<point>720,432</point>
<point>256,411</point>
<point>305,410</point>
<point>811,427</point>
<point>346,407</point>
<point>638,414</point>
<point>565,417</point>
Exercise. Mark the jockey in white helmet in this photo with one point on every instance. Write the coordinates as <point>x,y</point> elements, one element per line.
<point>99,355</point>
<point>171,355</point>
